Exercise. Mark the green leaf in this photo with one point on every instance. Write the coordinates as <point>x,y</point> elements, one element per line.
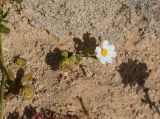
<point>26,93</point>
<point>72,58</point>
<point>11,74</point>
<point>19,1</point>
<point>4,29</point>
<point>20,61</point>
<point>64,64</point>
<point>64,55</point>
<point>26,78</point>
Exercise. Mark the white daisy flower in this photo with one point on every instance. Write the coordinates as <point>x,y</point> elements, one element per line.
<point>106,52</point>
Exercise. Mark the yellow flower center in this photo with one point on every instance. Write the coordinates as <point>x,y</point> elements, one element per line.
<point>104,52</point>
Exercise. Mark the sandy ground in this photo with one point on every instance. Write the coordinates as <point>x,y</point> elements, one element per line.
<point>128,89</point>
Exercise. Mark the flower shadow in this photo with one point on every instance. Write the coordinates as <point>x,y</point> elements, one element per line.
<point>147,100</point>
<point>133,72</point>
<point>86,46</point>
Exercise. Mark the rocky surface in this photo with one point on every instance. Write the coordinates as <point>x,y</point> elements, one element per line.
<point>109,19</point>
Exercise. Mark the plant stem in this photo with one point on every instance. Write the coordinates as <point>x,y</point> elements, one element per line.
<point>4,75</point>
<point>1,4</point>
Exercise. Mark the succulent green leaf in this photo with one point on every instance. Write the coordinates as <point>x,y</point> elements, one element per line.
<point>19,1</point>
<point>26,93</point>
<point>4,29</point>
<point>72,58</point>
<point>26,78</point>
<point>64,55</point>
<point>64,64</point>
<point>11,74</point>
<point>20,61</point>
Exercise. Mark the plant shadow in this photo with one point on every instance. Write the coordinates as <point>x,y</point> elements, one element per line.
<point>134,73</point>
<point>53,59</point>
<point>29,111</point>
<point>15,85</point>
<point>85,46</point>
<point>13,115</point>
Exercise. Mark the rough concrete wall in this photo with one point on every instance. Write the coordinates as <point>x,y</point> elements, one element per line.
<point>106,18</point>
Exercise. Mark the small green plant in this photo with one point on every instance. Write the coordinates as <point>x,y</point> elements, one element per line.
<point>26,92</point>
<point>19,83</point>
<point>3,15</point>
<point>20,61</point>
<point>67,60</point>
<point>3,29</point>
<point>88,48</point>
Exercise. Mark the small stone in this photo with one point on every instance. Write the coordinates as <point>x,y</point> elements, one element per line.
<point>65,74</point>
<point>155,115</point>
<point>87,71</point>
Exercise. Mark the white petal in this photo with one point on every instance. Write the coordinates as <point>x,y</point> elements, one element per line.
<point>98,56</point>
<point>111,47</point>
<point>105,44</point>
<point>112,54</point>
<point>98,50</point>
<point>109,60</point>
<point>103,60</point>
